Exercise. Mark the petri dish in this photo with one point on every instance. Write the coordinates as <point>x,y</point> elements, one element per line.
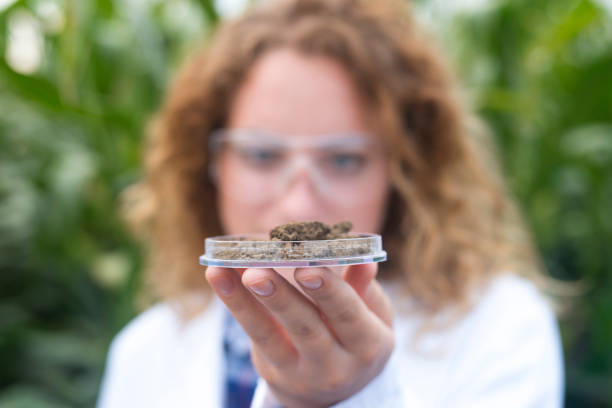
<point>256,251</point>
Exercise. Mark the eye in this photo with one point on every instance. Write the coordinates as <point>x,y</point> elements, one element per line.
<point>263,157</point>
<point>345,162</point>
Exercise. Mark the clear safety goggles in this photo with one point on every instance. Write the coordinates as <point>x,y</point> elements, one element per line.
<point>258,166</point>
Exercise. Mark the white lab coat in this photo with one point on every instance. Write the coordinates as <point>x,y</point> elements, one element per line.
<point>504,353</point>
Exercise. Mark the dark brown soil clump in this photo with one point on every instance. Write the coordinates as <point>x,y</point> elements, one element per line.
<point>299,231</point>
<point>309,231</point>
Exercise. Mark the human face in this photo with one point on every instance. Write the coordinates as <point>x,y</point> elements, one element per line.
<point>307,105</point>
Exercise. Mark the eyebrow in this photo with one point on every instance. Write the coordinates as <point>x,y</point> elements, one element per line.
<point>256,136</point>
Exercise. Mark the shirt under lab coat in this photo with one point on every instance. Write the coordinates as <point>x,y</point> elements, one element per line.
<point>505,353</point>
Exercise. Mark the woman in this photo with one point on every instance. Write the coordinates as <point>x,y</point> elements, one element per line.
<point>330,110</point>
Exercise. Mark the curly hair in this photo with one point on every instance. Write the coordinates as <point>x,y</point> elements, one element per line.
<point>451,225</point>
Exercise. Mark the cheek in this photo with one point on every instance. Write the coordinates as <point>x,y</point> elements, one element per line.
<point>368,215</point>
<point>236,216</point>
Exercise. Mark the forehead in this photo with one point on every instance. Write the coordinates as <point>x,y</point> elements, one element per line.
<point>290,93</point>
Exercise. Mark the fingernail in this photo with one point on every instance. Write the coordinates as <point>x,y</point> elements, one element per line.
<point>224,285</point>
<point>263,288</point>
<point>310,282</point>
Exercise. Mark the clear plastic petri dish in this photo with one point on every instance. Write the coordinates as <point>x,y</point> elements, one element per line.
<point>256,251</point>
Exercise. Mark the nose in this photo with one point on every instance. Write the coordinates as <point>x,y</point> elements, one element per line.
<point>301,200</point>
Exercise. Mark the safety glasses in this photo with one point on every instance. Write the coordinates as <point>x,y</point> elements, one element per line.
<point>258,166</point>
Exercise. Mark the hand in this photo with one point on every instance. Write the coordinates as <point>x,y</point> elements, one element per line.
<point>311,354</point>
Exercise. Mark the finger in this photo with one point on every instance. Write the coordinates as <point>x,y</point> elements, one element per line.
<point>362,279</point>
<point>259,325</point>
<point>240,271</point>
<point>357,328</point>
<point>360,276</point>
<point>295,312</point>
<point>377,300</point>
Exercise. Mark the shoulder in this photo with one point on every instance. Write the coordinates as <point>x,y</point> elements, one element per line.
<point>507,300</point>
<point>149,330</point>
<point>140,348</point>
<point>162,326</point>
<point>513,305</point>
<point>515,295</point>
<point>508,311</point>
<point>146,328</point>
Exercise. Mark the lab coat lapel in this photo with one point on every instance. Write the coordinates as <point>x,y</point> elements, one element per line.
<point>206,379</point>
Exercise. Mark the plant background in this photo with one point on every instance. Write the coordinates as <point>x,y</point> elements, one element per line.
<point>79,79</point>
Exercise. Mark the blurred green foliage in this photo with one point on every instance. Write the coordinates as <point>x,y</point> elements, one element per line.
<point>541,74</point>
<point>71,130</point>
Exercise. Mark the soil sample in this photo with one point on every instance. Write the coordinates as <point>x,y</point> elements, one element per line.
<point>299,240</point>
<point>310,230</point>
